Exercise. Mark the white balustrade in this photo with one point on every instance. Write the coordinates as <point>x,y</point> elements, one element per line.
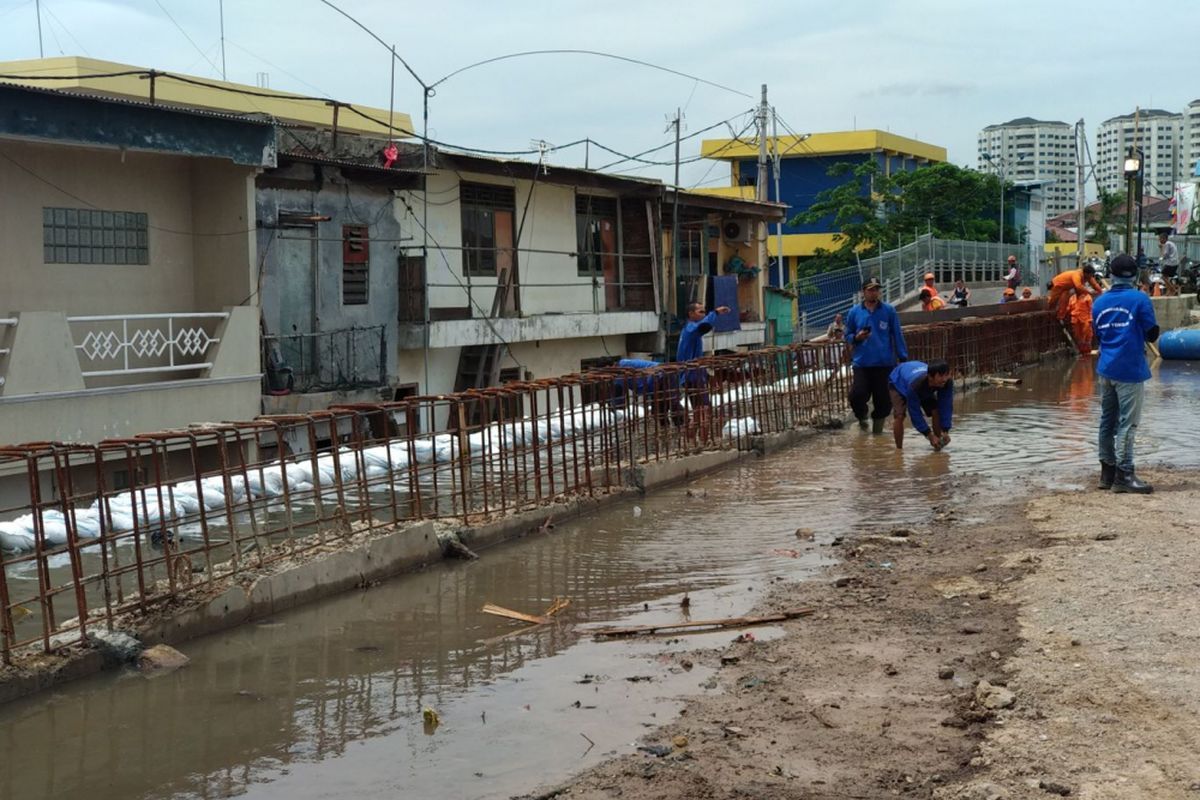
<point>122,343</point>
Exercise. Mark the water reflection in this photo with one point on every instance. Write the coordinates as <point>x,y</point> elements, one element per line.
<point>325,701</point>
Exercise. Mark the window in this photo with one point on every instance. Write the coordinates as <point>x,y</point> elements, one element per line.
<point>356,265</point>
<point>488,214</point>
<point>88,236</point>
<point>595,234</point>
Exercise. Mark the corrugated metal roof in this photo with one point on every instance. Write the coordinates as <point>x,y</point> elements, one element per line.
<point>123,101</point>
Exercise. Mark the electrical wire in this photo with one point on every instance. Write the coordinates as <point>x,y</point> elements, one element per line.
<point>179,27</point>
<point>670,143</point>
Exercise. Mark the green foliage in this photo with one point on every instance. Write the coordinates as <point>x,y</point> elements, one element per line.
<point>874,212</point>
<point>1102,220</point>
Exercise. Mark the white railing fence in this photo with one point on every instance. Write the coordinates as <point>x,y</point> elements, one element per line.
<point>134,344</point>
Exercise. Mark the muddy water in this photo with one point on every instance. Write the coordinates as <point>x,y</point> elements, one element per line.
<point>326,701</point>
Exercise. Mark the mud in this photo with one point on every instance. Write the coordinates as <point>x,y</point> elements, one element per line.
<point>1080,611</point>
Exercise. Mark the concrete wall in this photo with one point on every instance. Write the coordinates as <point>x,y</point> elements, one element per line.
<point>223,247</point>
<point>44,398</point>
<point>1174,312</point>
<point>110,180</point>
<point>290,259</point>
<point>549,225</point>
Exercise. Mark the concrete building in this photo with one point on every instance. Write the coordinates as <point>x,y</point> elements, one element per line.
<point>804,173</point>
<point>128,265</point>
<point>379,279</point>
<point>1027,149</point>
<point>1192,139</point>
<point>1161,136</point>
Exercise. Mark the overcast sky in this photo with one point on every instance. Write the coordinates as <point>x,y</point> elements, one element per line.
<point>937,70</point>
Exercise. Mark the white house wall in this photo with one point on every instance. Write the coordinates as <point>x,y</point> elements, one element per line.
<point>549,281</point>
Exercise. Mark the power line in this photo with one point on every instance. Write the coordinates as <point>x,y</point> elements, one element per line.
<point>670,143</point>
<point>597,53</point>
<point>185,35</point>
<point>66,30</point>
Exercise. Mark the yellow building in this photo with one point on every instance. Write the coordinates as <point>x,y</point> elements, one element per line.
<point>106,78</point>
<point>804,168</point>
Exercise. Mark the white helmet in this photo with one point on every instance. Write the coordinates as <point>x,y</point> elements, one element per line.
<point>1107,253</point>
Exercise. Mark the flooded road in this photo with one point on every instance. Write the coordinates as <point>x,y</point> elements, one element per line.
<point>326,701</point>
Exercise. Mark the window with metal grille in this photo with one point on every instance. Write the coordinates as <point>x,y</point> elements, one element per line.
<point>487,224</point>
<point>356,265</point>
<point>90,236</point>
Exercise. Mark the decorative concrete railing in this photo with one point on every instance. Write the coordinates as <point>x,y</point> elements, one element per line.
<point>134,344</point>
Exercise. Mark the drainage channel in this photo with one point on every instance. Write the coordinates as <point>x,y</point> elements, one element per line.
<point>327,701</point>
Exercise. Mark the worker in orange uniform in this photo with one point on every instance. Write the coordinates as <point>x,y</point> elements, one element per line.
<point>1079,280</point>
<point>930,284</point>
<point>930,301</point>
<point>1081,321</point>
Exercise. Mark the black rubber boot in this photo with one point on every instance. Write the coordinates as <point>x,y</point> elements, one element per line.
<point>862,424</point>
<point>1108,472</point>
<point>1127,481</point>
<point>877,426</point>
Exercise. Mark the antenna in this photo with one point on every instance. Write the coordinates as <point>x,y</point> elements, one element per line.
<point>221,10</point>
<point>262,80</point>
<point>543,147</point>
<point>41,51</point>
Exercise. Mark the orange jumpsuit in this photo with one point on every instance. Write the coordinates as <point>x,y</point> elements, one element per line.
<point>935,304</point>
<point>1059,298</point>
<point>1081,321</point>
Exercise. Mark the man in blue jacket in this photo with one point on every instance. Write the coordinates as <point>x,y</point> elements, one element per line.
<point>659,391</point>
<point>922,389</point>
<point>691,347</point>
<point>1124,321</point>
<point>876,344</point>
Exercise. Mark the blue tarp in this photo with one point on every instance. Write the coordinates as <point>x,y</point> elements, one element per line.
<point>725,293</point>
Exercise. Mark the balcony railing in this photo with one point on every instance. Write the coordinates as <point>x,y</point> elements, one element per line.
<point>349,358</point>
<point>135,344</point>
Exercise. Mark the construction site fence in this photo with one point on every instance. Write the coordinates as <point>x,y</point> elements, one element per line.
<point>129,525</point>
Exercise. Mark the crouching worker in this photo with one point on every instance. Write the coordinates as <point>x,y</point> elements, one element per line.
<point>659,391</point>
<point>922,389</point>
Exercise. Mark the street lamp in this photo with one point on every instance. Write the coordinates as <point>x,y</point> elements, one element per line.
<point>1133,173</point>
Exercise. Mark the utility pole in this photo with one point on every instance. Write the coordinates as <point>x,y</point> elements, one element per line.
<point>777,168</point>
<point>1081,219</point>
<point>760,186</point>
<point>674,230</point>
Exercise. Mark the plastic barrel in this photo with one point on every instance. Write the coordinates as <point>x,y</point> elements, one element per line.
<point>1183,343</point>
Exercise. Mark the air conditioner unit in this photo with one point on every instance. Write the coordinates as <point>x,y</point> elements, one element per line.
<point>738,231</point>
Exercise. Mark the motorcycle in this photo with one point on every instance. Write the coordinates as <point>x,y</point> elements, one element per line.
<point>1189,278</point>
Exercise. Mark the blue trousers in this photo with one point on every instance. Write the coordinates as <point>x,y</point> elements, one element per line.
<point>1120,413</point>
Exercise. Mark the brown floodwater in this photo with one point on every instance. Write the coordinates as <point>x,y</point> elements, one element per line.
<point>326,701</point>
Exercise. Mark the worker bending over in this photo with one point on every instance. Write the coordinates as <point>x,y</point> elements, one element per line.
<point>922,389</point>
<point>1079,280</point>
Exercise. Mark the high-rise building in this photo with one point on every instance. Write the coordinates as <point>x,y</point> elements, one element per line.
<point>1027,149</point>
<point>1160,135</point>
<point>1191,143</point>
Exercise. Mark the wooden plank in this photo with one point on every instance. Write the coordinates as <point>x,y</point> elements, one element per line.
<point>697,625</point>
<point>501,611</point>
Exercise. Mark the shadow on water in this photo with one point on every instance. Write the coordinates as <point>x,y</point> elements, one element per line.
<point>326,701</point>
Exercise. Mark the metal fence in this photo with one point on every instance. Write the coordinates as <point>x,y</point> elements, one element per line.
<point>204,505</point>
<point>349,358</point>
<point>901,271</point>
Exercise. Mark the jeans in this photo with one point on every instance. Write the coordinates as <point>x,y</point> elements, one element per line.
<point>1120,413</point>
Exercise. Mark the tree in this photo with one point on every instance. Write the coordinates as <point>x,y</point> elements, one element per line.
<point>872,211</point>
<point>1106,215</point>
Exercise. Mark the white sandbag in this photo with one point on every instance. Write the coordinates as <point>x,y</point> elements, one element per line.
<point>15,538</point>
<point>746,426</point>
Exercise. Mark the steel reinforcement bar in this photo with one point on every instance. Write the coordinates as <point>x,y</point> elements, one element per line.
<point>129,525</point>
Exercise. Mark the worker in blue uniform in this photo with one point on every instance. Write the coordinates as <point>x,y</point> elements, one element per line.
<point>876,345</point>
<point>921,389</point>
<point>695,381</point>
<point>1124,321</point>
<point>659,390</point>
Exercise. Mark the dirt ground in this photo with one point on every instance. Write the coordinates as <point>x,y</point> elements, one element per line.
<point>1052,652</point>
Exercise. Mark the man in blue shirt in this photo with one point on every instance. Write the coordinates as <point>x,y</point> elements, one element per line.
<point>921,389</point>
<point>659,391</point>
<point>873,333</point>
<point>691,347</point>
<point>1124,321</point>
